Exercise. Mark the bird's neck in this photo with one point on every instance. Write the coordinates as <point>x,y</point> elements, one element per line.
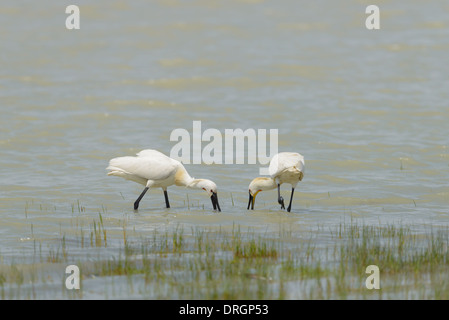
<point>265,184</point>
<point>271,184</point>
<point>196,184</point>
<point>182,177</point>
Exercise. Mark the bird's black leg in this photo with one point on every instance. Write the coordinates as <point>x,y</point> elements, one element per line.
<point>166,199</point>
<point>280,199</point>
<point>291,197</point>
<point>136,203</point>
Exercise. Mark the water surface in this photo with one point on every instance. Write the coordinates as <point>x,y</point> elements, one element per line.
<point>367,109</point>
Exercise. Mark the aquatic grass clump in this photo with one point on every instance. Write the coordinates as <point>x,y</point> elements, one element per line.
<point>255,249</point>
<point>194,264</point>
<point>224,262</point>
<point>394,249</point>
<point>98,236</point>
<point>249,245</point>
<point>125,264</point>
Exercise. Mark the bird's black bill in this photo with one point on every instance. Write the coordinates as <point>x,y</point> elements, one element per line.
<point>214,199</point>
<point>250,201</point>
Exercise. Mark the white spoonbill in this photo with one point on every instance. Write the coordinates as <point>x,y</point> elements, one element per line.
<point>285,167</point>
<point>154,169</point>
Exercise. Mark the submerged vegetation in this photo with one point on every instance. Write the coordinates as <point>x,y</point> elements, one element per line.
<point>180,262</point>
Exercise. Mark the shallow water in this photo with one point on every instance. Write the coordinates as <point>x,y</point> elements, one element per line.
<point>367,109</point>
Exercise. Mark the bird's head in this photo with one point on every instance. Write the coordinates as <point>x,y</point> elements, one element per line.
<point>211,188</point>
<point>258,185</point>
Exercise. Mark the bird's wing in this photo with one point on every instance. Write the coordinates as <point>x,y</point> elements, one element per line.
<point>154,166</point>
<point>152,153</point>
<point>285,160</point>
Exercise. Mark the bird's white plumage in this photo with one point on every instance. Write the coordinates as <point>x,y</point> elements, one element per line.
<point>284,161</point>
<point>285,167</point>
<point>154,154</point>
<point>155,167</point>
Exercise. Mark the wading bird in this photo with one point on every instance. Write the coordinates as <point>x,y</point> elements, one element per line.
<point>285,167</point>
<point>154,169</point>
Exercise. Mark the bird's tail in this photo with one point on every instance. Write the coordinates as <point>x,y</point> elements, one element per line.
<point>116,170</point>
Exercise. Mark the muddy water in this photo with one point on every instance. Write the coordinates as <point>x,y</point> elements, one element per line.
<point>367,109</point>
